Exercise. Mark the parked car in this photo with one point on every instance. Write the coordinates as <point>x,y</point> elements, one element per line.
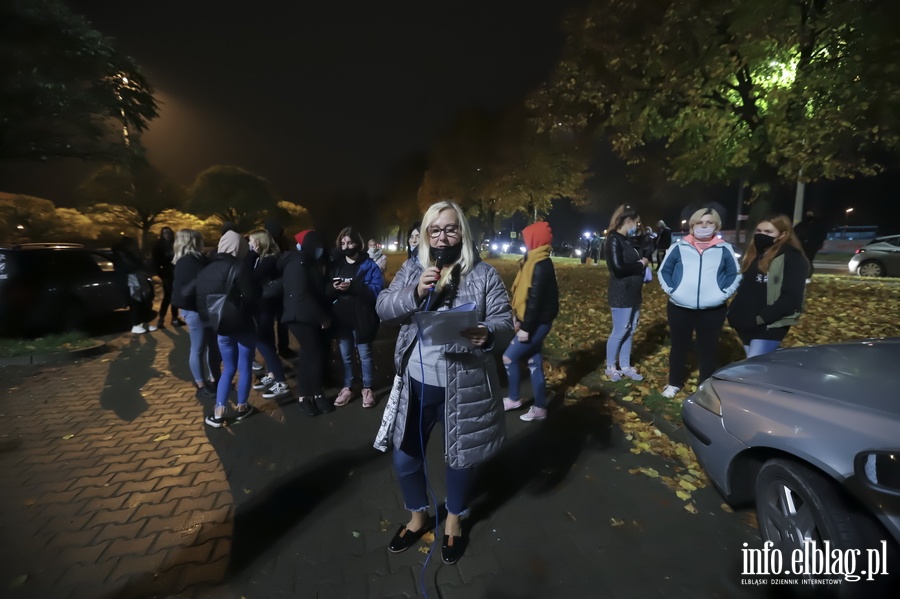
<point>878,258</point>
<point>811,435</point>
<point>54,287</point>
<point>565,249</point>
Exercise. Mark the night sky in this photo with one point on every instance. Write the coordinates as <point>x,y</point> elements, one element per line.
<point>323,97</point>
<point>326,98</point>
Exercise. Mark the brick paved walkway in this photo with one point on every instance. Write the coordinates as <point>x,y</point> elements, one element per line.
<point>112,487</point>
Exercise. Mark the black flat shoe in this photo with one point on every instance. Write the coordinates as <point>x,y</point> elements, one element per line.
<point>405,538</point>
<point>308,405</point>
<point>450,553</point>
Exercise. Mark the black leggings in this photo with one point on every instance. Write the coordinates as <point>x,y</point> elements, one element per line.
<point>682,324</point>
<point>309,358</point>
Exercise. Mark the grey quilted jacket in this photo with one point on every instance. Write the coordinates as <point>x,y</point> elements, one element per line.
<point>474,407</point>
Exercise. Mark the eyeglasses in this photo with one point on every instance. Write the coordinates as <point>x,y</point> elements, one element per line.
<point>450,231</point>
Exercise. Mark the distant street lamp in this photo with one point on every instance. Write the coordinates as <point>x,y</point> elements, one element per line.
<point>847,216</point>
<point>683,223</point>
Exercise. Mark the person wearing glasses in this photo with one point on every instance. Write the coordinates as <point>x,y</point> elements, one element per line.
<point>455,384</point>
<point>699,273</point>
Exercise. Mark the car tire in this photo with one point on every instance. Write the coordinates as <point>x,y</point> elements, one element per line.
<point>870,268</point>
<point>796,502</point>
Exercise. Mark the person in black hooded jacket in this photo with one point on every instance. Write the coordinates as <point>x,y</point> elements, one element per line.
<point>239,345</point>
<point>305,311</point>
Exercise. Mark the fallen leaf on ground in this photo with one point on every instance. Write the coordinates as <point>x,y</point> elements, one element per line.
<point>67,437</point>
<point>571,517</point>
<point>355,534</point>
<point>383,525</point>
<point>683,495</point>
<point>428,538</point>
<point>616,522</point>
<point>691,508</point>
<point>162,437</point>
<point>726,508</point>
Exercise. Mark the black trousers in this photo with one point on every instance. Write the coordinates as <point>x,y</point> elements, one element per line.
<point>309,358</point>
<point>682,324</point>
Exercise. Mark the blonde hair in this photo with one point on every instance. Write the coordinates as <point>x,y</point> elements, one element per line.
<point>267,244</point>
<point>188,242</point>
<point>695,217</point>
<point>467,258</point>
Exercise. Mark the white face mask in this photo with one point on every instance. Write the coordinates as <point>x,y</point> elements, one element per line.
<point>704,232</point>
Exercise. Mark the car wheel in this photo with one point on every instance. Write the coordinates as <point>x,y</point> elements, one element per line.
<point>870,268</point>
<point>795,503</point>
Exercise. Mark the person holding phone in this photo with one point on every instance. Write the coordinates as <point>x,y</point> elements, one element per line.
<point>356,282</point>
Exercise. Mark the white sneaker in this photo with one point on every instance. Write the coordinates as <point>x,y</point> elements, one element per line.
<point>534,413</point>
<point>138,329</point>
<point>511,404</point>
<point>277,390</point>
<point>150,327</point>
<point>257,366</point>
<point>613,374</point>
<point>670,391</point>
<point>264,382</point>
<point>632,374</point>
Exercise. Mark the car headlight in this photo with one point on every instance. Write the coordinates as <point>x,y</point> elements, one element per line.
<point>494,246</point>
<point>880,469</point>
<point>706,398</point>
<point>523,249</point>
<point>578,252</point>
<point>505,247</point>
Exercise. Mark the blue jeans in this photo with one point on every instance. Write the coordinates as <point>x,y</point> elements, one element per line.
<point>365,360</point>
<point>426,408</point>
<point>531,351</point>
<point>618,347</point>
<point>759,347</point>
<point>204,350</point>
<point>237,356</point>
<point>265,338</point>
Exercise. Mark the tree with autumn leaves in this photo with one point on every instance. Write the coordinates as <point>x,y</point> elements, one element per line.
<point>715,91</point>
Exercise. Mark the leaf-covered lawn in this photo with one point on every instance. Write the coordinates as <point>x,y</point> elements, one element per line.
<point>837,308</point>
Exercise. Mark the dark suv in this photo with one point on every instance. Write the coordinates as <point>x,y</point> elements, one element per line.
<point>54,287</point>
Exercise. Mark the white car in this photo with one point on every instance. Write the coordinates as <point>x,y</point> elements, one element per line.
<point>878,258</point>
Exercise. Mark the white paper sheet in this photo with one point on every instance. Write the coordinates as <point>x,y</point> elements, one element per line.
<point>442,328</point>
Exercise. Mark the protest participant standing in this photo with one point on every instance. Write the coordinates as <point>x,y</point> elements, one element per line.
<point>699,273</point>
<point>535,303</point>
<point>455,384</point>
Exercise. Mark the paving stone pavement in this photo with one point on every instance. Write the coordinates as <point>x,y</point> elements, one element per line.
<point>113,487</point>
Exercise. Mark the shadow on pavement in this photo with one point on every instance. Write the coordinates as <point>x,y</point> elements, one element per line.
<point>127,375</point>
<point>540,459</point>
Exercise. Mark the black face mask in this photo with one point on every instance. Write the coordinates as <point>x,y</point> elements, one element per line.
<point>762,242</point>
<point>350,252</point>
<point>446,255</point>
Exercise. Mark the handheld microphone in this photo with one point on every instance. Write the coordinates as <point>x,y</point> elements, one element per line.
<point>439,264</point>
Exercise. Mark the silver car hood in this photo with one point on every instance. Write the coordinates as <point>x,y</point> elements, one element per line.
<point>862,373</point>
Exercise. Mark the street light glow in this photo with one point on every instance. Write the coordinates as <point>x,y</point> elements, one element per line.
<point>848,210</point>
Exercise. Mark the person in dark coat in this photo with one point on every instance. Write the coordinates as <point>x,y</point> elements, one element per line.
<point>663,241</point>
<point>626,268</point>
<point>412,240</point>
<point>204,359</point>
<point>307,316</point>
<point>163,253</point>
<point>131,274</point>
<point>811,232</point>
<point>262,261</point>
<point>356,281</point>
<point>238,346</point>
<point>283,336</point>
<point>535,304</point>
<point>770,297</point>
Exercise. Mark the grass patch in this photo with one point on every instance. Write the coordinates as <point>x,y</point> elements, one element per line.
<point>13,348</point>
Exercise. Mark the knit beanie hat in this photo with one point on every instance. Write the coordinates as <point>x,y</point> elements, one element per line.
<point>537,235</point>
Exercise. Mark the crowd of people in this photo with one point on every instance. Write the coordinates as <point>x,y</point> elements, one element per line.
<point>235,300</point>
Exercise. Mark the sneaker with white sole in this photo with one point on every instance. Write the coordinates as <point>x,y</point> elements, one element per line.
<point>266,381</point>
<point>149,327</point>
<point>534,413</point>
<point>217,418</point>
<point>257,366</point>
<point>670,391</point>
<point>246,412</point>
<point>343,397</point>
<point>511,404</point>
<point>613,374</point>
<point>632,373</point>
<point>276,390</point>
<point>138,330</point>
